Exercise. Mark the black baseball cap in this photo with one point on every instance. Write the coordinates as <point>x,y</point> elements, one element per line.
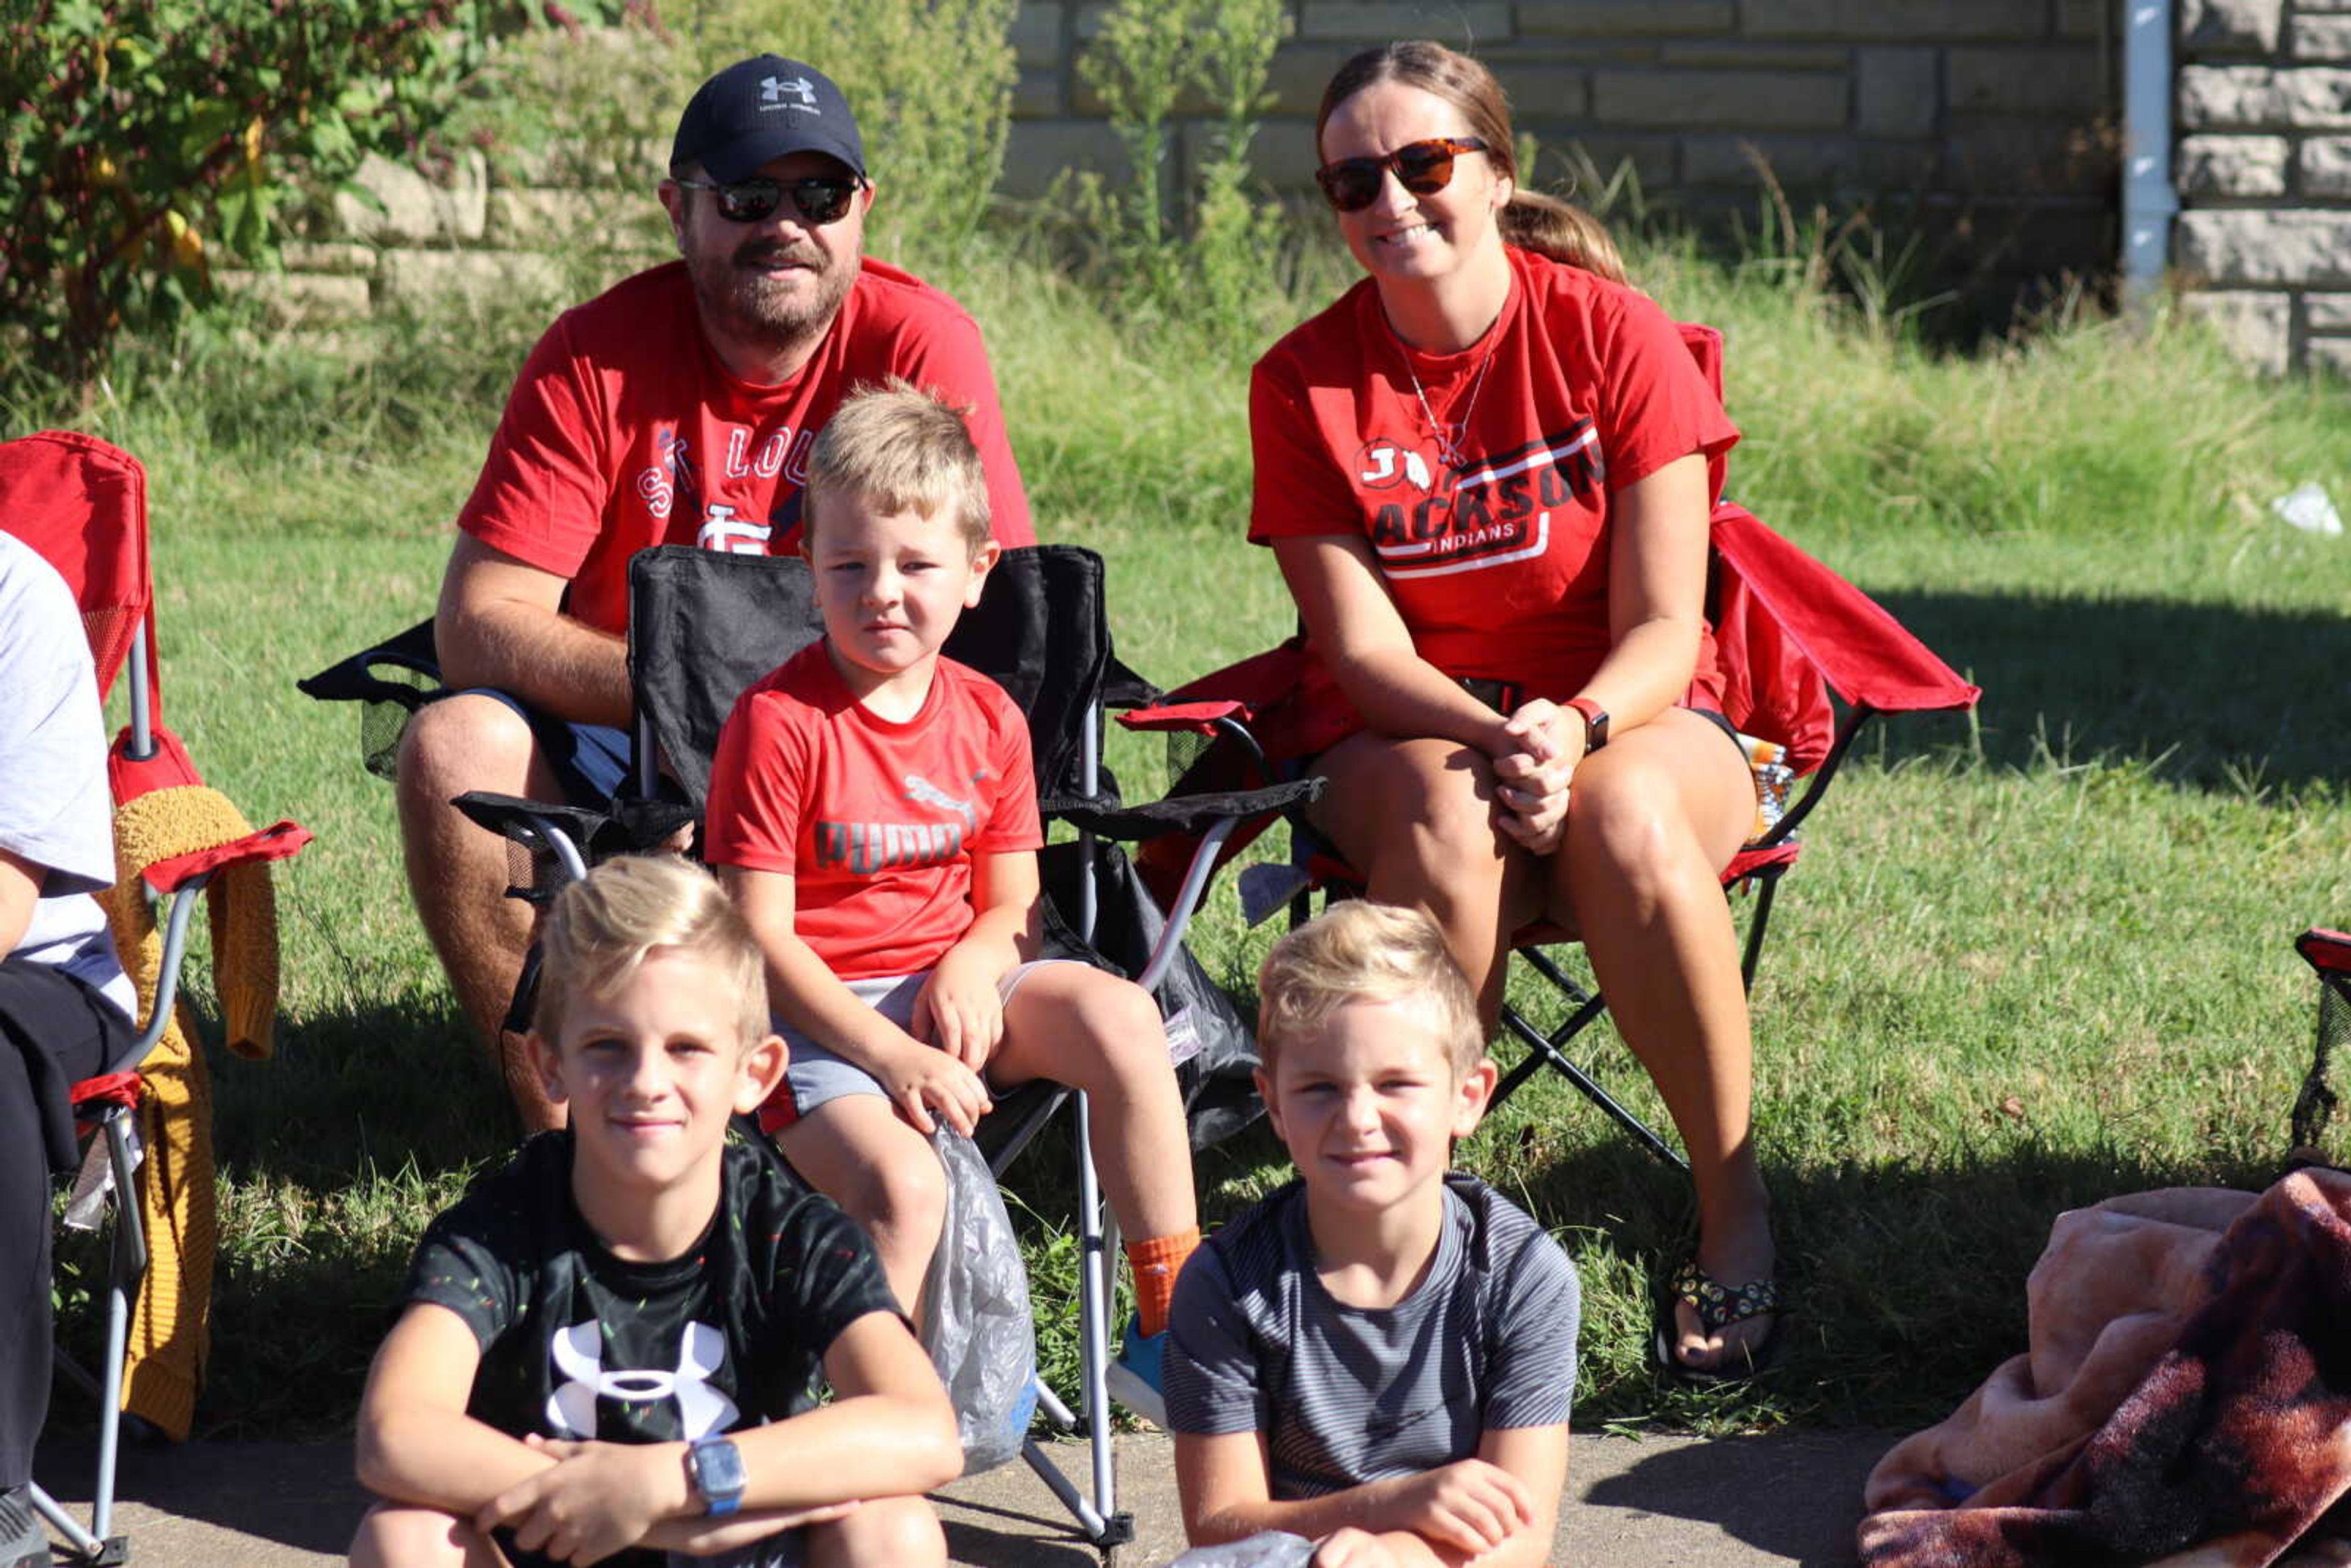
<point>758,110</point>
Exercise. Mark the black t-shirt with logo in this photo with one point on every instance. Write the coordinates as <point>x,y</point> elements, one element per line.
<point>578,1344</point>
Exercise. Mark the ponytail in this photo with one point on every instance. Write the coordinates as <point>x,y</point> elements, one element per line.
<point>1562,231</point>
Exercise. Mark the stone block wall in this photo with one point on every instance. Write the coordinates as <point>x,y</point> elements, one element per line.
<point>2263,243</point>
<point>1990,123</point>
<point>476,230</point>
<point>1987,126</point>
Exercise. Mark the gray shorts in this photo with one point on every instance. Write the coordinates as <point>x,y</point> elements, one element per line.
<point>817,1075</point>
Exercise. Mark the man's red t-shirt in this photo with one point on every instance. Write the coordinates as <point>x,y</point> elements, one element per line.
<point>877,822</point>
<point>1498,563</point>
<point>625,431</point>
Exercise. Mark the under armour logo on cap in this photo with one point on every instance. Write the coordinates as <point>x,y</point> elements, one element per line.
<point>760,110</point>
<point>777,92</point>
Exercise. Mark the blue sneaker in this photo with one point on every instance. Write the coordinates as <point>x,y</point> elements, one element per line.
<point>1024,1410</point>
<point>1135,1376</point>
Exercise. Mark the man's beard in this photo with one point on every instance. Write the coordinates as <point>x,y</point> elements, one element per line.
<point>776,313</point>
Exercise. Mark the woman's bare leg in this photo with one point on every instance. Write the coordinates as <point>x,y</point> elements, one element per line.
<point>1651,820</point>
<point>1416,819</point>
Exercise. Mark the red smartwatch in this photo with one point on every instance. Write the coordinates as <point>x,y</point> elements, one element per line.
<point>1595,722</point>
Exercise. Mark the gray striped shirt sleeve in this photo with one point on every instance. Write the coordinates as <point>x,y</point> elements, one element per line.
<point>1211,1369</point>
<point>1531,1375</point>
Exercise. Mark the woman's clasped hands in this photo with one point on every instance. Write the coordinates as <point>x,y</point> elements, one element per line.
<point>1535,756</point>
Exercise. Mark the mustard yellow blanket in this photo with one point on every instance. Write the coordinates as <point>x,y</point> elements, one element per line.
<point>171,1323</point>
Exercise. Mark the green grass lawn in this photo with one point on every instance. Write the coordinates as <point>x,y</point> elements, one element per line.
<point>2028,961</point>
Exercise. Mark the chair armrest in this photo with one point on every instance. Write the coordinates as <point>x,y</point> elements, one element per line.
<point>1759,856</point>
<point>108,1093</point>
<point>629,827</point>
<point>2325,950</point>
<point>1197,718</point>
<point>1191,813</point>
<point>280,840</point>
<point>413,654</point>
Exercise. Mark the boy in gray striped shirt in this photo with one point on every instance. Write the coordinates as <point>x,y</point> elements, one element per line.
<point>1380,1357</point>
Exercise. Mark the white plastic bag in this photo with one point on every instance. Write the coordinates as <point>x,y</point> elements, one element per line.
<point>1267,1549</point>
<point>977,1329</point>
<point>2311,509</point>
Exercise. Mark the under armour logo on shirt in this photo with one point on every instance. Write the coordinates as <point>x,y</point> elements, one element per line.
<point>578,1353</point>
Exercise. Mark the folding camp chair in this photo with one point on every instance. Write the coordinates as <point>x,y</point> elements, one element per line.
<point>2328,953</point>
<point>1788,632</point>
<point>705,625</point>
<point>83,505</point>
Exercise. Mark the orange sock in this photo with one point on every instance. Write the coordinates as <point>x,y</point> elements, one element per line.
<point>1156,1262</point>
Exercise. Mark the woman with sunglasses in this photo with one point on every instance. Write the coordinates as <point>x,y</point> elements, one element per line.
<point>1484,473</point>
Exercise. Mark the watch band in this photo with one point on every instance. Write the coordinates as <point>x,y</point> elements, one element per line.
<point>1595,722</point>
<point>714,1467</point>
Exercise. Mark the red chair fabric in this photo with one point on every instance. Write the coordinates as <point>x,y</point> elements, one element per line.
<point>83,505</point>
<point>2327,951</point>
<point>1824,627</point>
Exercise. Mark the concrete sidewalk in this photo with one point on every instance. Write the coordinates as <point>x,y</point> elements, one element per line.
<point>1743,1502</point>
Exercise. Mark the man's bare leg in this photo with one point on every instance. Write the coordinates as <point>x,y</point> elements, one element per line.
<point>457,871</point>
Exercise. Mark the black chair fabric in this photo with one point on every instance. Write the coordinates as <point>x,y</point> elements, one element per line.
<point>719,623</point>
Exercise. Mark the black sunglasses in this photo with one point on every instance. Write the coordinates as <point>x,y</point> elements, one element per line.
<point>1423,168</point>
<point>818,200</point>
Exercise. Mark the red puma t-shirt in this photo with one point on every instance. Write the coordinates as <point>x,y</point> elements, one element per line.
<point>625,431</point>
<point>1500,562</point>
<point>877,822</point>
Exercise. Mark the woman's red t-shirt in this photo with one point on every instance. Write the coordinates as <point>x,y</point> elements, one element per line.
<point>1500,562</point>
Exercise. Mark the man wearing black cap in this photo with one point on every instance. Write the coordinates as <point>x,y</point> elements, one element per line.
<point>677,407</point>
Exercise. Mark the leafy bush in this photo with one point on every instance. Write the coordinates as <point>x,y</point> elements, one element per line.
<point>590,108</point>
<point>144,137</point>
<point>1211,257</point>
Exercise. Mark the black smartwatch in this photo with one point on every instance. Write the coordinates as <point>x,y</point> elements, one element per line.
<point>714,1467</point>
<point>1595,722</point>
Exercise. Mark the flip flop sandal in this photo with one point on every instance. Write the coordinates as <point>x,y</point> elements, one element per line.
<point>1717,1307</point>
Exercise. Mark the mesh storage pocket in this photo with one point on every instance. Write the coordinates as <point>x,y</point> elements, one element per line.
<point>383,720</point>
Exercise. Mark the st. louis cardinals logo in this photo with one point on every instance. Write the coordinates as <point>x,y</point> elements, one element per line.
<point>578,1353</point>
<point>724,531</point>
<point>760,469</point>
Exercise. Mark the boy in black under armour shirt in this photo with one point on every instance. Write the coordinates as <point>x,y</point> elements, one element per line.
<point>610,1346</point>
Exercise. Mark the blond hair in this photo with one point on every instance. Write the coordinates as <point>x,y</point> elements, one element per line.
<point>1532,220</point>
<point>1359,951</point>
<point>601,930</point>
<point>902,450</point>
